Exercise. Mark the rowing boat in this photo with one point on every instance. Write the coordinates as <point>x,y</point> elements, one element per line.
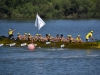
<point>48,44</point>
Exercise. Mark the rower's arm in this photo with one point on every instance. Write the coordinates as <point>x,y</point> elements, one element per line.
<point>14,30</point>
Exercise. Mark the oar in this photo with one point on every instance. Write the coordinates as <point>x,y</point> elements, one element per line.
<point>95,39</point>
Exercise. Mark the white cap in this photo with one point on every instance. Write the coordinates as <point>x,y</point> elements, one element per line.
<point>91,31</point>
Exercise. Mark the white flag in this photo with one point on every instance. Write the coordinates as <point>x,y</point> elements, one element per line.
<point>39,22</point>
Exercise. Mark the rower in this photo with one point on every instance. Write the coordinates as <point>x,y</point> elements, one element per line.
<point>89,36</point>
<point>29,37</point>
<point>62,38</point>
<point>36,37</point>
<point>25,36</point>
<point>56,39</point>
<point>40,37</point>
<point>67,39</point>
<point>71,39</point>
<point>78,39</point>
<point>45,38</point>
<point>50,38</point>
<point>18,36</point>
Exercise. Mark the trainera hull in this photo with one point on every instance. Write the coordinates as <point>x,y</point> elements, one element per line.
<point>7,42</point>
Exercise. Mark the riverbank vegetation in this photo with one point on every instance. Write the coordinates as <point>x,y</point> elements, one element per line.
<point>21,9</point>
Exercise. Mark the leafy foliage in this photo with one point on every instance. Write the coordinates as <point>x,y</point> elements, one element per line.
<point>50,8</point>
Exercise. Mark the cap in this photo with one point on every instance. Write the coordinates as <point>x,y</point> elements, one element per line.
<point>48,34</point>
<point>29,34</point>
<point>36,34</point>
<point>91,31</point>
<point>69,35</point>
<point>78,35</point>
<point>25,33</point>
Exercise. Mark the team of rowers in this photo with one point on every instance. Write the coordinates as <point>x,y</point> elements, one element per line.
<point>48,37</point>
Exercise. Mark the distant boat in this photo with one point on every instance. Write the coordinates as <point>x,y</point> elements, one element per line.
<point>39,22</point>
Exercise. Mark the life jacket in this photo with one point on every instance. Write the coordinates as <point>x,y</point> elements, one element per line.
<point>10,32</point>
<point>78,39</point>
<point>88,35</point>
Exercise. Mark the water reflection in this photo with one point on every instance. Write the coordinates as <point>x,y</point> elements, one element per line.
<point>88,51</point>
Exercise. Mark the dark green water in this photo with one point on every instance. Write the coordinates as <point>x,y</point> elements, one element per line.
<point>50,61</point>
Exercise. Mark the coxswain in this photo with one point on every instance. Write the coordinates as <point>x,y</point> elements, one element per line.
<point>10,34</point>
<point>89,36</point>
<point>78,39</point>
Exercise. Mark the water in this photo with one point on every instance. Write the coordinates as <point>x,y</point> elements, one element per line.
<point>53,27</point>
<point>50,61</point>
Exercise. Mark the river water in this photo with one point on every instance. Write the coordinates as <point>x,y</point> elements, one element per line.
<point>50,61</point>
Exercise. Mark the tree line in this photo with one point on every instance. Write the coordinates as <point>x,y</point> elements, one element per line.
<point>21,9</point>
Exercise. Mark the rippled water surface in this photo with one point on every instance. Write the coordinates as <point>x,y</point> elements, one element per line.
<point>50,61</point>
